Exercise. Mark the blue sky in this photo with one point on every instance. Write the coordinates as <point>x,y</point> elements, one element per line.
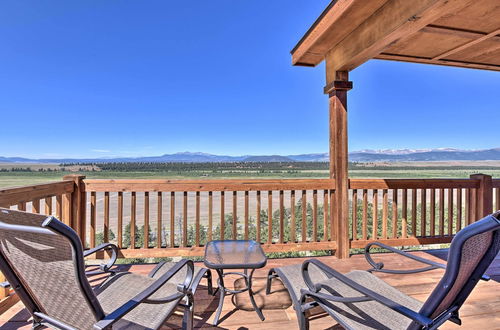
<point>130,78</point>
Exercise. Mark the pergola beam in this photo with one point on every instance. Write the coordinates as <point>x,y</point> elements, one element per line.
<point>394,20</point>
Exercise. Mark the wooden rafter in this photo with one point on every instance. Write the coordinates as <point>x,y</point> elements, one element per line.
<point>425,60</point>
<point>467,45</point>
<point>466,34</point>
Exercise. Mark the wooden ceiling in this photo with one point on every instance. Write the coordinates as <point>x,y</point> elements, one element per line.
<point>462,33</point>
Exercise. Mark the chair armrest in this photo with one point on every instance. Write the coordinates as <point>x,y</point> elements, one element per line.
<point>184,289</point>
<point>378,266</point>
<point>314,288</point>
<point>104,268</point>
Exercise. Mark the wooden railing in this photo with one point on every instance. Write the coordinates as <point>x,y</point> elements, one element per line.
<point>411,211</point>
<point>177,217</point>
<point>151,218</point>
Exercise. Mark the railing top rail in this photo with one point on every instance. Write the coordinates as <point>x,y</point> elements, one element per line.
<point>412,183</point>
<point>11,196</point>
<point>125,185</point>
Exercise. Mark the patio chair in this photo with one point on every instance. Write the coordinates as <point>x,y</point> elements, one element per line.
<point>42,259</point>
<point>360,300</point>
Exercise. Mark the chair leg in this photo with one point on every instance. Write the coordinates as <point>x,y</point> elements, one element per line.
<point>270,275</point>
<point>36,325</point>
<point>188,318</point>
<point>210,288</point>
<point>303,321</point>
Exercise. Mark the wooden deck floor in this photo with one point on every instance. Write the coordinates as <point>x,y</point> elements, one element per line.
<point>481,311</point>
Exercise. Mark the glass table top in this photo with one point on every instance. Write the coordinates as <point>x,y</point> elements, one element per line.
<point>226,254</point>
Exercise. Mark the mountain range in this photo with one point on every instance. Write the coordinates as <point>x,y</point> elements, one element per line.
<point>388,155</point>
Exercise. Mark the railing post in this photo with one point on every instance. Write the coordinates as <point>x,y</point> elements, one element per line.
<point>337,91</point>
<point>484,195</point>
<point>75,206</point>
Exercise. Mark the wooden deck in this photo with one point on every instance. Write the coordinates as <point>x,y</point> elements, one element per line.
<point>482,310</point>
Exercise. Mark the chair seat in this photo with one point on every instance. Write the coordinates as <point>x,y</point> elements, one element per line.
<point>122,287</point>
<point>368,314</point>
<point>179,277</point>
<point>291,276</point>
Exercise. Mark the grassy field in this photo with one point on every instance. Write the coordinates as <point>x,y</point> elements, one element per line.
<point>18,174</point>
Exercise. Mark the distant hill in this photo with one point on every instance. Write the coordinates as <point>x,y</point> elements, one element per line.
<point>356,156</point>
<point>427,155</point>
<point>274,158</point>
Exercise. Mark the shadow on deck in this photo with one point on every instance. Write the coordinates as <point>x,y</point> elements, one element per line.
<point>481,310</point>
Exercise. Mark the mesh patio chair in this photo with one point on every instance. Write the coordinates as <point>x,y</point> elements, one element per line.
<point>360,300</point>
<point>42,259</point>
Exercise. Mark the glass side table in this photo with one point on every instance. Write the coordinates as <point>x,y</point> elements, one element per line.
<point>234,254</point>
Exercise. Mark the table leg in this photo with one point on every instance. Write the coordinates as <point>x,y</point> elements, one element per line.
<point>250,293</point>
<point>222,294</point>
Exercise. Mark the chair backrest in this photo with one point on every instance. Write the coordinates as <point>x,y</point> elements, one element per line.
<point>471,252</point>
<point>43,260</point>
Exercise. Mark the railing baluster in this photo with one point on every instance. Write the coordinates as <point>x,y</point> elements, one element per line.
<point>473,205</point>
<point>35,205</point>
<point>210,215</point>
<point>282,217</point>
<point>197,220</point>
<point>497,192</point>
<point>404,214</point>
<point>269,217</point>
<point>385,210</point>
<point>414,212</point>
<point>441,212</point>
<point>222,216</point>
<point>325,215</point>
<point>364,229</point>
<point>22,207</point>
<point>354,214</point>
<point>433,213</point>
<point>235,215</point>
<point>172,219</point>
<point>315,216</point>
<point>159,215</point>
<point>185,219</point>
<point>246,216</point>
<point>146,220</point>
<point>423,212</point>
<point>333,226</point>
<point>459,210</point>
<point>133,202</point>
<point>58,207</point>
<point>375,214</point>
<point>394,213</point>
<point>450,212</point>
<point>106,217</point>
<point>93,209</point>
<point>304,216</point>
<point>292,215</point>
<point>258,217</point>
<point>48,205</point>
<point>120,220</point>
<point>467,206</point>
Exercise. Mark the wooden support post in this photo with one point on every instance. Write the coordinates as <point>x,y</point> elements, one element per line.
<point>76,205</point>
<point>337,91</point>
<point>484,195</point>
